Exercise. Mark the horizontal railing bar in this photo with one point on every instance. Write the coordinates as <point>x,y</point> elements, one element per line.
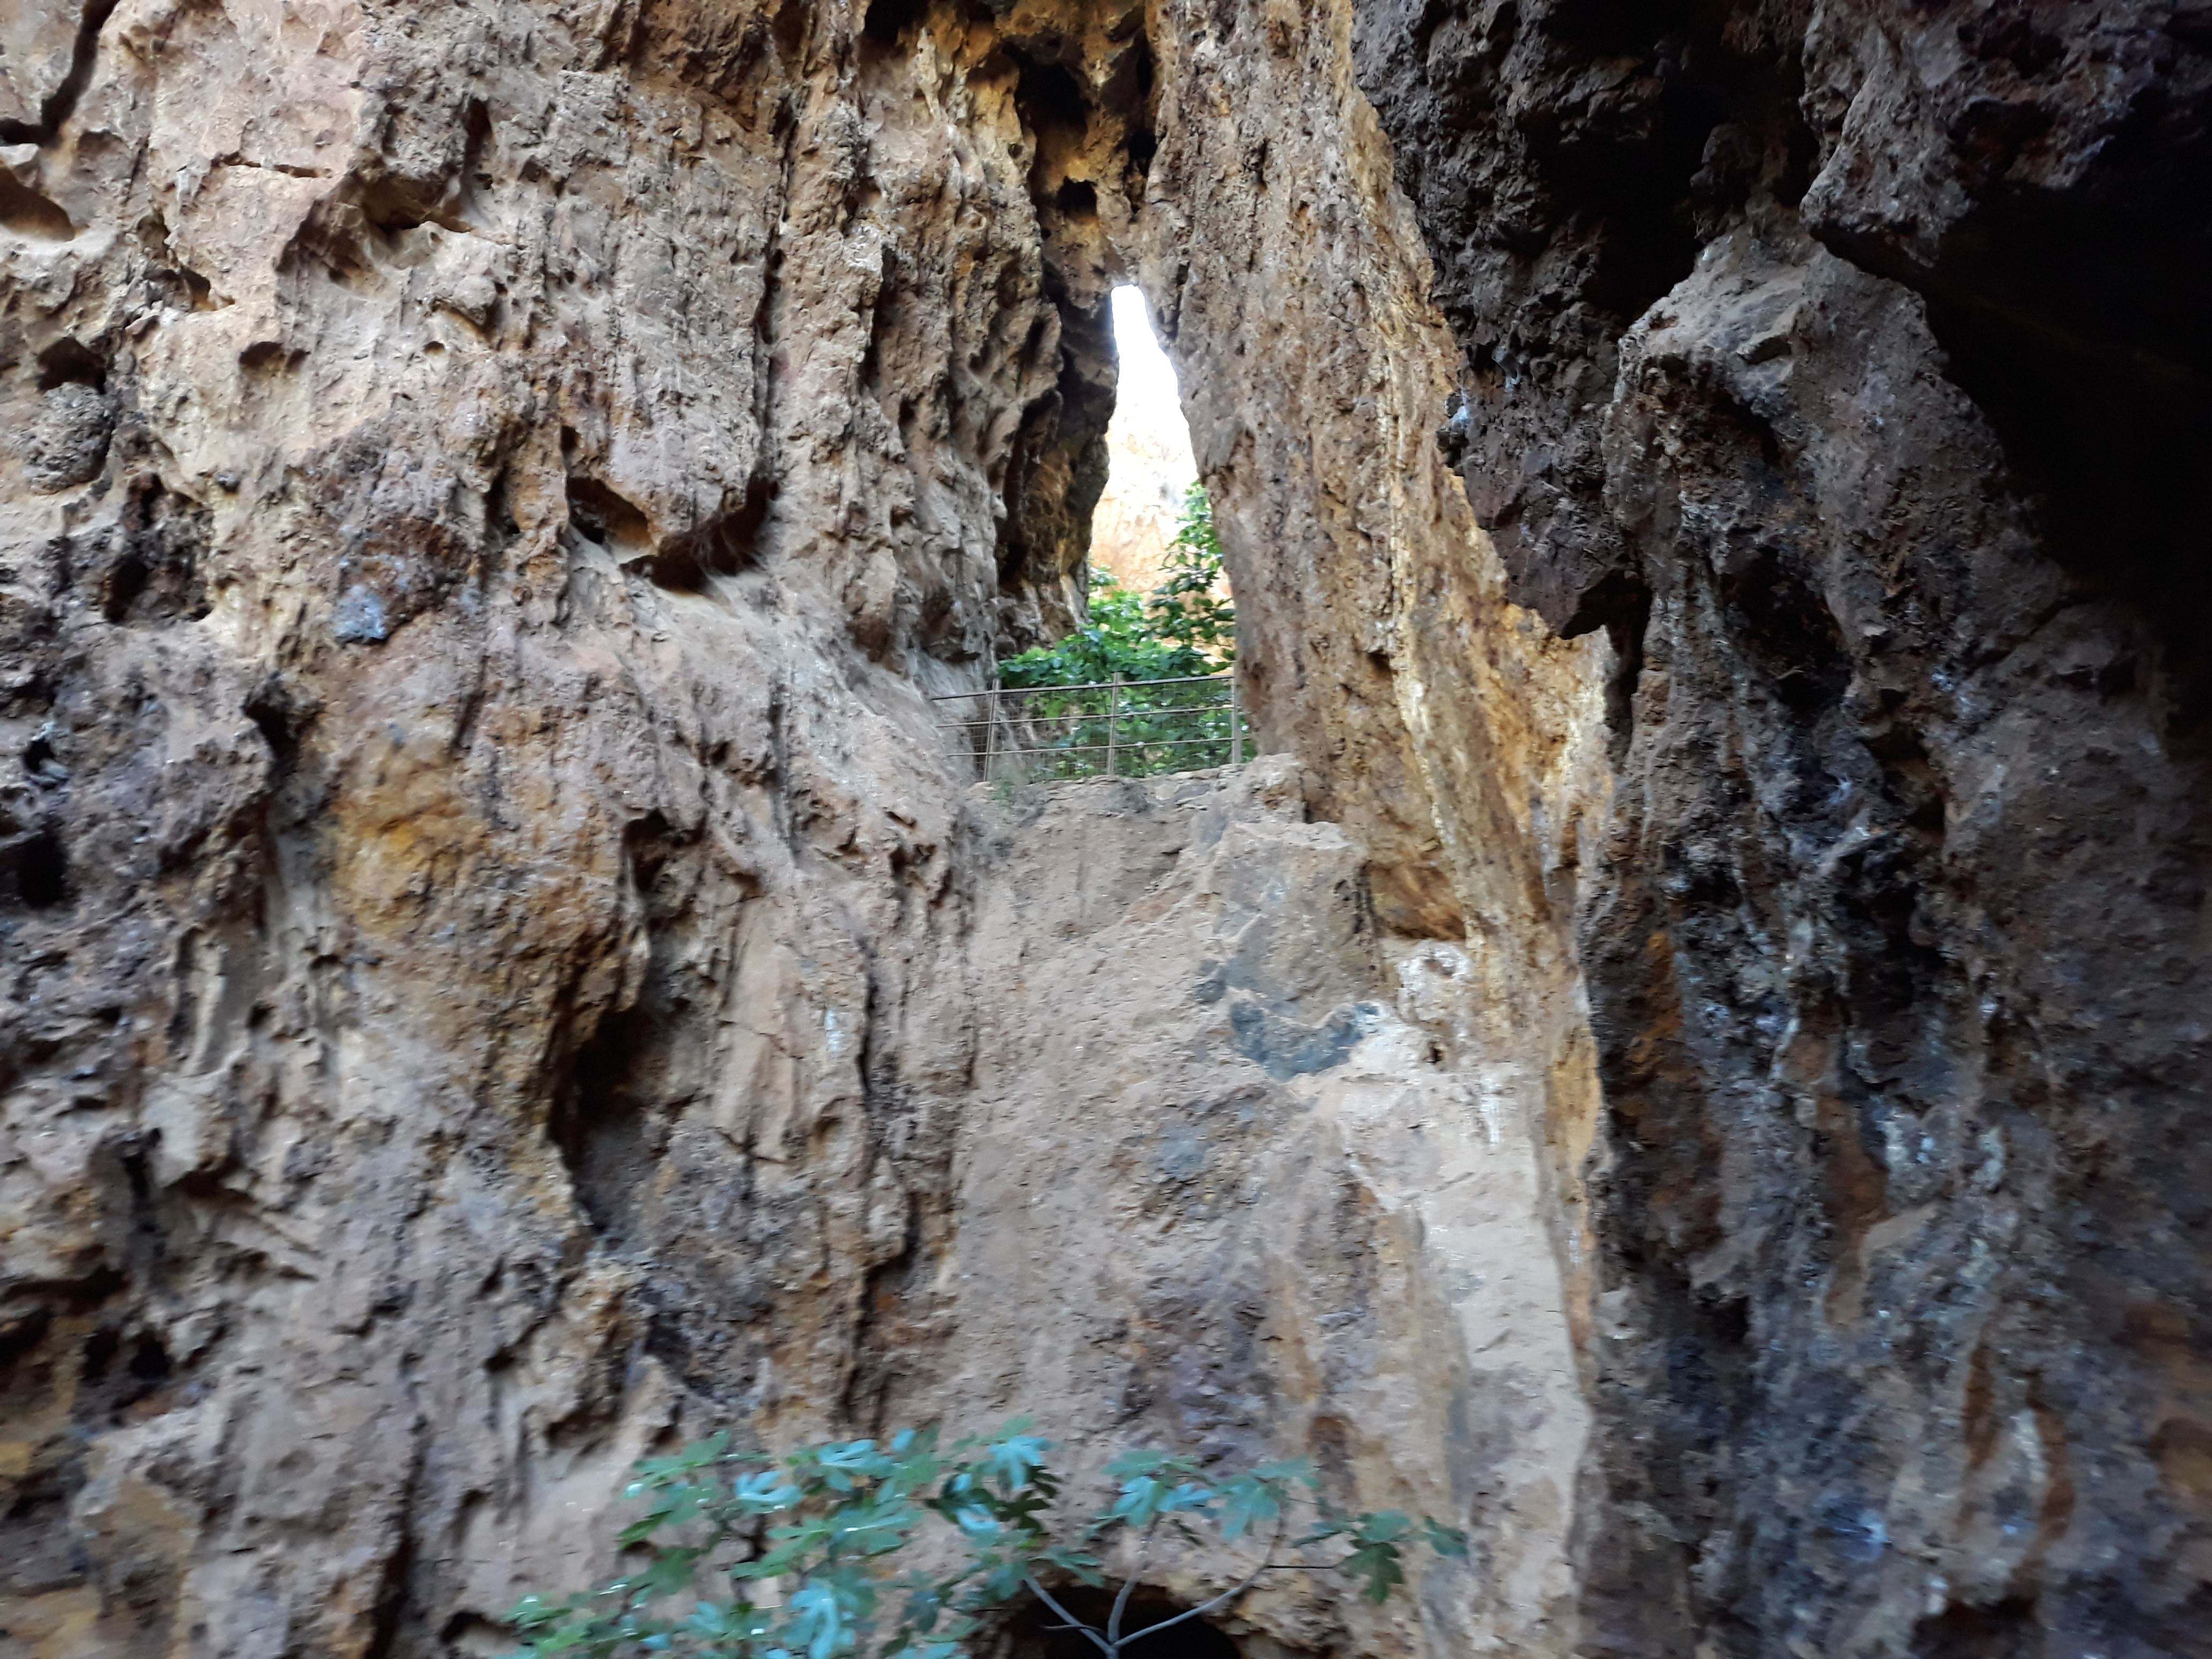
<point>1147,713</point>
<point>1142,706</point>
<point>1160,739</point>
<point>1083,713</point>
<point>1146,708</point>
<point>1087,747</point>
<point>1092,685</point>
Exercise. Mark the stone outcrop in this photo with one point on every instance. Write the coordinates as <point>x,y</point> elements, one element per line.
<point>1312,1194</point>
<point>1843,361</point>
<point>501,968</point>
<point>1683,1058</point>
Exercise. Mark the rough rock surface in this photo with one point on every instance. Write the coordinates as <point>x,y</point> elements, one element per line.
<point>1314,1195</point>
<point>488,483</point>
<point>1846,361</point>
<point>500,967</point>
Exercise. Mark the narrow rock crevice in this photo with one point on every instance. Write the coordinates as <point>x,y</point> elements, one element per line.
<point>58,105</point>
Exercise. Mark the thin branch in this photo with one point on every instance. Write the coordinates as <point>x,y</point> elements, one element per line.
<point>1129,1585</point>
<point>1073,1623</point>
<point>1227,1595</point>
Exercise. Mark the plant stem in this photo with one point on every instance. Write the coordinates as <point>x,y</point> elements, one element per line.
<point>1203,1607</point>
<point>1129,1585</point>
<point>1073,1623</point>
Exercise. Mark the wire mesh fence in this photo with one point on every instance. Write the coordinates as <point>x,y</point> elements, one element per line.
<point>1116,729</point>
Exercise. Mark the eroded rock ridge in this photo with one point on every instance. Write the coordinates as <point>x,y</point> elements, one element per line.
<point>1683,1057</point>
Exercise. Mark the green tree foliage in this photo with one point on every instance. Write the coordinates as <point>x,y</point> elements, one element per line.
<point>1187,626</point>
<point>1192,605</point>
<point>1147,647</point>
<point>746,1557</point>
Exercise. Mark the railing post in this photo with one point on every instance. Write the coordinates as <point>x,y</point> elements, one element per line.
<point>1236,725</point>
<point>1113,705</point>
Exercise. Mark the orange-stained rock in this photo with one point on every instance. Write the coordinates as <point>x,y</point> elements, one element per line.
<point>501,968</point>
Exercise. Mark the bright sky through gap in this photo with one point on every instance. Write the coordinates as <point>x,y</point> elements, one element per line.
<point>1148,389</point>
<point>1148,456</point>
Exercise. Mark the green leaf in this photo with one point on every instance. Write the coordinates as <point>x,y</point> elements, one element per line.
<point>924,1602</point>
<point>659,1471</point>
<point>1190,1498</point>
<point>1247,1503</point>
<point>1325,1526</point>
<point>817,1622</point>
<point>1382,1527</point>
<point>1445,1540</point>
<point>1377,1563</point>
<point>671,1570</point>
<point>1014,1459</point>
<point>765,1493</point>
<point>1000,1582</point>
<point>531,1612</point>
<point>1300,1469</point>
<point>1083,1569</point>
<point>1130,1464</point>
<point>1140,1500</point>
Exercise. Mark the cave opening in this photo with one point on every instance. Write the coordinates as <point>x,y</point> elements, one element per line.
<point>1037,1632</point>
<point>1138,676</point>
<point>1151,469</point>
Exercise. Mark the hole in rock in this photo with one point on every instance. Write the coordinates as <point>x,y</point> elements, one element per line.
<point>150,1360</point>
<point>1047,96</point>
<point>41,871</point>
<point>1140,682</point>
<point>605,1132</point>
<point>125,585</point>
<point>67,362</point>
<point>887,19</point>
<point>1150,469</point>
<point>610,1118</point>
<point>1031,1634</point>
<point>600,514</point>
<point>28,213</point>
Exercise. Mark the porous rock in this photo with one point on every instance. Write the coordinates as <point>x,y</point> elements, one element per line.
<point>1680,1059</point>
<point>1842,361</point>
<point>503,970</point>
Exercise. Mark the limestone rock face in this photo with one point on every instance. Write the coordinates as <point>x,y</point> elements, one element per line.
<point>488,487</point>
<point>1318,1215</point>
<point>1843,362</point>
<point>501,968</point>
<point>1681,1059</point>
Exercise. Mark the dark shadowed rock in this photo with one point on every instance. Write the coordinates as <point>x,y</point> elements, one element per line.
<point>1848,362</point>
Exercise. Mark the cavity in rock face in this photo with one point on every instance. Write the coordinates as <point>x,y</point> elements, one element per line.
<point>1844,362</point>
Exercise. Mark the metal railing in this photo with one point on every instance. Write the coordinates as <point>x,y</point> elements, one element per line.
<point>1112,729</point>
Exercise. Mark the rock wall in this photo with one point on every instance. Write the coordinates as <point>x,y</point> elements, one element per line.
<point>1846,362</point>
<point>501,968</point>
<point>488,487</point>
<point>1684,1064</point>
<point>1240,1169</point>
